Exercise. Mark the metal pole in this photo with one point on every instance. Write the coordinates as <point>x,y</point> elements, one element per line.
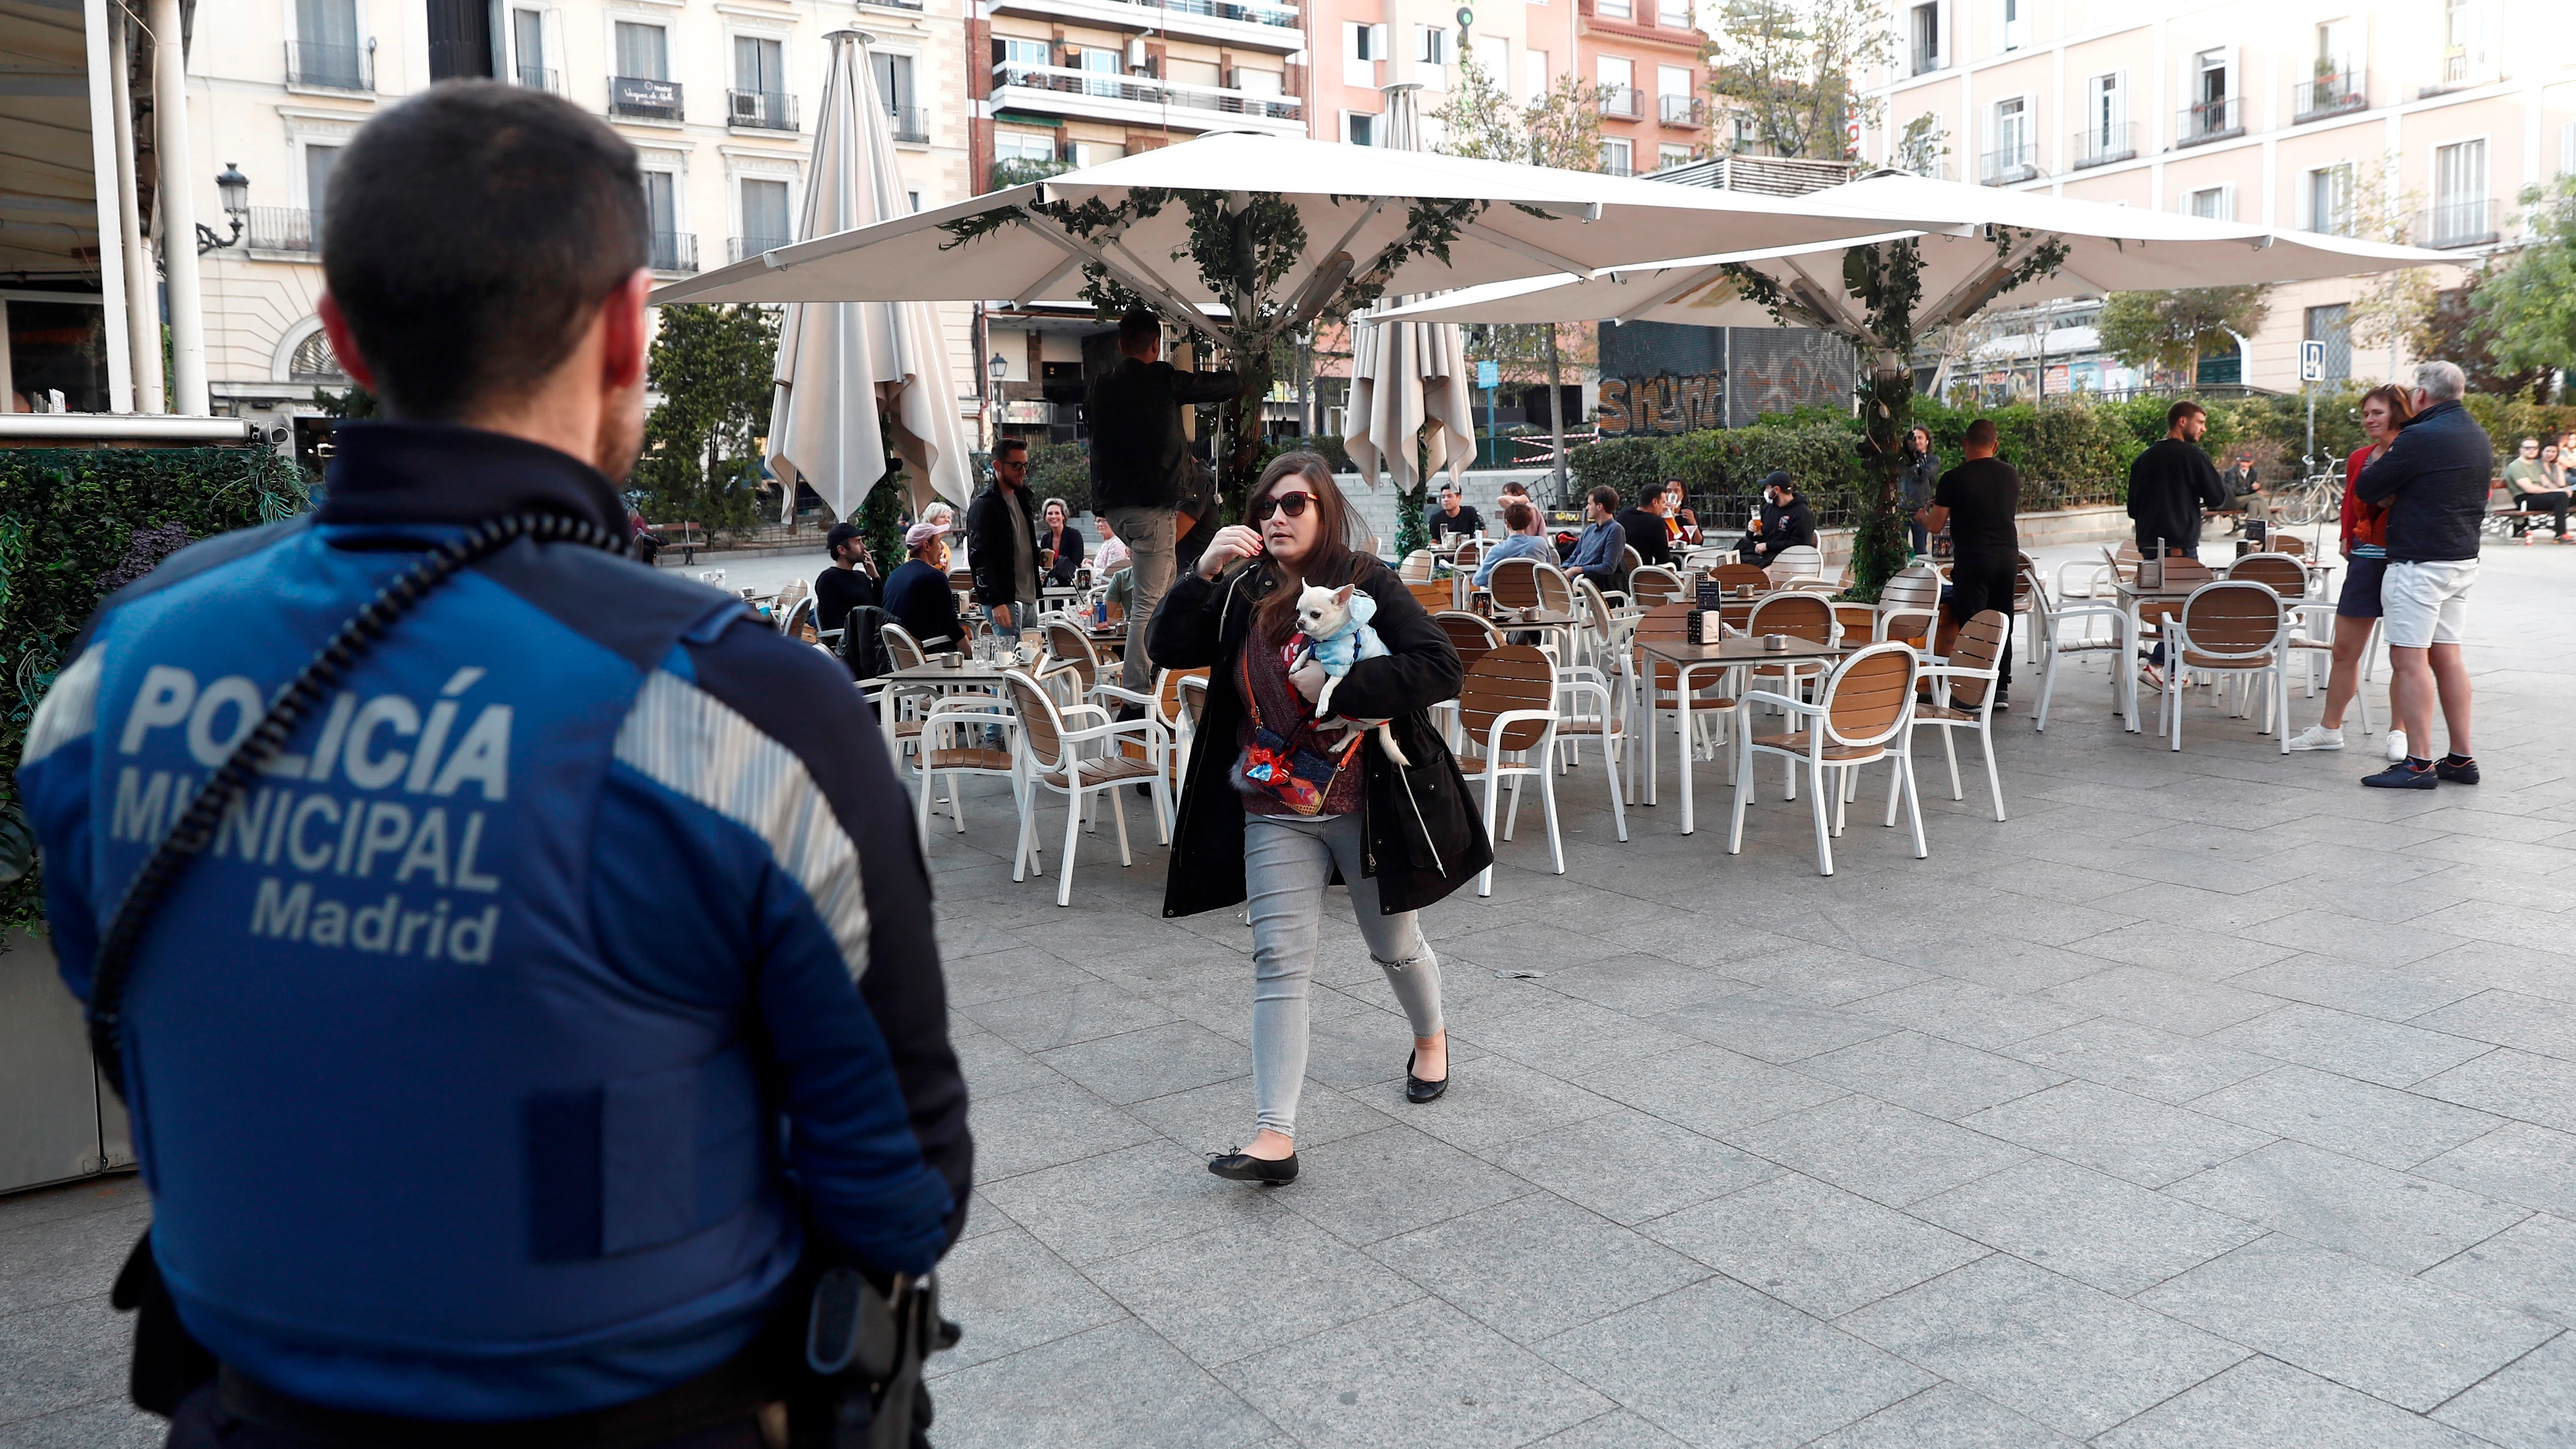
<point>1556,414</point>
<point>142,288</point>
<point>178,212</point>
<point>103,133</point>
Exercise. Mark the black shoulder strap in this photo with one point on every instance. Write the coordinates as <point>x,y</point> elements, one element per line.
<point>329,665</point>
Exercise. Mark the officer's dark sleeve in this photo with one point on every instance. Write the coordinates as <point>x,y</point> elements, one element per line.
<point>816,905</point>
<point>1204,387</point>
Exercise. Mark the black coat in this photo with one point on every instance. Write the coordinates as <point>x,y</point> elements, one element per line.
<point>1138,451</point>
<point>2169,484</point>
<point>1068,551</point>
<point>2434,480</point>
<point>1648,536</point>
<point>919,598</point>
<point>1784,525</point>
<point>988,545</point>
<point>1203,624</point>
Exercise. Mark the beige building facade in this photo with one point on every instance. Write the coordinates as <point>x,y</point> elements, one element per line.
<point>719,97</point>
<point>2414,120</point>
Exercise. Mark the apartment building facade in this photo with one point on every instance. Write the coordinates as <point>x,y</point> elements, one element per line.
<point>719,98</point>
<point>2420,120</point>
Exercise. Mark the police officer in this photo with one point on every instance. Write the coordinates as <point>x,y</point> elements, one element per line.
<point>564,984</point>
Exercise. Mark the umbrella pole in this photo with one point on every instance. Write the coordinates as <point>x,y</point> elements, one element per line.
<point>1555,415</point>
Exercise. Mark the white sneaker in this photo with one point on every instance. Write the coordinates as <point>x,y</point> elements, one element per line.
<point>2317,737</point>
<point>2396,745</point>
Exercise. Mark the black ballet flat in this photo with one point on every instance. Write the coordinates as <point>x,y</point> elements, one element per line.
<point>1244,1167</point>
<point>1418,1091</point>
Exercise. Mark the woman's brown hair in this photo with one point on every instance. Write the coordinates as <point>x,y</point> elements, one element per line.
<point>1334,560</point>
<point>2401,403</point>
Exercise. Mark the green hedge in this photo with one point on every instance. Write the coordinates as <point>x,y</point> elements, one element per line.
<point>76,524</point>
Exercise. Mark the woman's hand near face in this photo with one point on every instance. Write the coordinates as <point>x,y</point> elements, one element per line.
<point>1232,542</point>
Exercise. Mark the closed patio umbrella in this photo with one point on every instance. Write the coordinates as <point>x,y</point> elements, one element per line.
<point>1408,376</point>
<point>859,379</point>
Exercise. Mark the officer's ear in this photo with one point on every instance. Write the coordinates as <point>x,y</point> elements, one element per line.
<point>344,343</point>
<point>626,336</point>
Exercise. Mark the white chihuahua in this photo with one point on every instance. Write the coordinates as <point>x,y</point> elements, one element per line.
<point>1335,626</point>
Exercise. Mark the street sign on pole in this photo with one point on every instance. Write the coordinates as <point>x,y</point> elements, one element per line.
<point>2312,361</point>
<point>1489,373</point>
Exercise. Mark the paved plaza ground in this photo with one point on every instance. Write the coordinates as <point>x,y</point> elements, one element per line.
<point>2211,1101</point>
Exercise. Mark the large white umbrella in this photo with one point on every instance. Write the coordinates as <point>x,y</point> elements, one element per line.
<point>2107,249</point>
<point>1409,221</point>
<point>1409,379</point>
<point>859,378</point>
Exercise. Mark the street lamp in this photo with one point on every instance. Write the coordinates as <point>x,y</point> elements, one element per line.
<point>997,367</point>
<point>235,188</point>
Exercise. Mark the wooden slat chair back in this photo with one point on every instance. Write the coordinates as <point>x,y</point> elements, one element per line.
<point>1653,585</point>
<point>1434,597</point>
<point>1630,559</point>
<point>1916,586</point>
<point>1069,644</point>
<point>2288,543</point>
<point>1513,584</point>
<point>1473,635</point>
<point>901,647</point>
<point>1192,691</point>
<point>1979,644</point>
<point>2231,626</point>
<point>1417,567</point>
<point>1865,700</point>
<point>1801,561</point>
<point>1469,555</point>
<point>1040,726</point>
<point>2180,572</point>
<point>1555,591</point>
<point>1736,576</point>
<point>2278,571</point>
<point>1513,677</point>
<point>1664,622</point>
<point>1800,616</point>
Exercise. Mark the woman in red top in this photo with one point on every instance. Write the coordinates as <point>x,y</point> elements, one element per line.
<point>2384,410</point>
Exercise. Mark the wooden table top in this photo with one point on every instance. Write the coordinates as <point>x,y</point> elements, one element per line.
<point>1747,650</point>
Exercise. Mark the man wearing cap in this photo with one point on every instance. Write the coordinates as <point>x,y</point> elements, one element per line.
<point>917,594</point>
<point>847,584</point>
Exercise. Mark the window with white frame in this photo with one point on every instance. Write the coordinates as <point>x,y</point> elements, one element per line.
<point>1674,13</point>
<point>895,93</point>
<point>1534,79</point>
<point>2106,120</point>
<point>1674,88</point>
<point>1431,44</point>
<point>1093,153</point>
<point>530,64</point>
<point>760,95</point>
<point>318,161</point>
<point>1926,28</point>
<point>1494,57</point>
<point>2330,199</point>
<point>2211,203</point>
<point>1618,157</point>
<point>1359,128</point>
<point>1014,54</point>
<point>1618,80</point>
<point>2462,211</point>
<point>1613,9</point>
<point>2009,158</point>
<point>1363,46</point>
<point>2468,54</point>
<point>643,50</point>
<point>2016,28</point>
<point>2213,95</point>
<point>765,224</point>
<point>1031,146</point>
<point>327,50</point>
<point>662,205</point>
<point>1668,157</point>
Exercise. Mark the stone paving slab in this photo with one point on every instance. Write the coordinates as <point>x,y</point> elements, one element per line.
<point>2209,1100</point>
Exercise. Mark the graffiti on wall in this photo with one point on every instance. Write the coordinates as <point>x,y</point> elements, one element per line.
<point>1659,378</point>
<point>1662,404</point>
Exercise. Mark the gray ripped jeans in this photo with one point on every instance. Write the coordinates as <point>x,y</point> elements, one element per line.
<point>1287,862</point>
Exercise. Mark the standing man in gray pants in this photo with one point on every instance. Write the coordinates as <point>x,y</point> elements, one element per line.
<point>1138,452</point>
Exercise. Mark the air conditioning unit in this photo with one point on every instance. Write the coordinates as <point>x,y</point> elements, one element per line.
<point>746,108</point>
<point>1136,61</point>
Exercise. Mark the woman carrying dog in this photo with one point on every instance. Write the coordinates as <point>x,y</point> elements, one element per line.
<point>1273,806</point>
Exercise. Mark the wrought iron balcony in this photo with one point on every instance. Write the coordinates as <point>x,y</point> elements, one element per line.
<point>2210,121</point>
<point>675,251</point>
<point>2007,164</point>
<point>538,78</point>
<point>284,229</point>
<point>2468,223</point>
<point>331,67</point>
<point>1147,90</point>
<point>761,110</point>
<point>742,248</point>
<point>910,123</point>
<point>643,98</point>
<point>2102,145</point>
<point>2334,94</point>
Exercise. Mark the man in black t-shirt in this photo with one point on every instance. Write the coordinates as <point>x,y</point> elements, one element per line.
<point>846,585</point>
<point>1976,501</point>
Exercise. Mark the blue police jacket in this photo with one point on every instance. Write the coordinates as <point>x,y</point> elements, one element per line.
<point>472,1064</point>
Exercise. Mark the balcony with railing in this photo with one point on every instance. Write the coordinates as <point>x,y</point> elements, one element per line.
<point>1621,103</point>
<point>2469,222</point>
<point>538,78</point>
<point>1925,60</point>
<point>1682,110</point>
<point>675,251</point>
<point>284,229</point>
<point>2104,144</point>
<point>2336,93</point>
<point>1617,162</point>
<point>743,248</point>
<point>909,123</point>
<point>1114,96</point>
<point>1250,22</point>
<point>331,67</point>
<point>2210,121</point>
<point>2007,164</point>
<point>761,110</point>
<point>644,99</point>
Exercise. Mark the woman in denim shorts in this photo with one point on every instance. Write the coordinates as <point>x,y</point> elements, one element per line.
<point>2384,410</point>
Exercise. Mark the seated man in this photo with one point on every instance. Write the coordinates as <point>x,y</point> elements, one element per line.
<point>1451,516</point>
<point>1526,540</point>
<point>1645,526</point>
<point>847,584</point>
<point>1596,555</point>
<point>2529,488</point>
<point>918,595</point>
<point>1785,522</point>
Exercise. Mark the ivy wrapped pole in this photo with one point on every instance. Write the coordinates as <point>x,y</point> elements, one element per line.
<point>1878,308</point>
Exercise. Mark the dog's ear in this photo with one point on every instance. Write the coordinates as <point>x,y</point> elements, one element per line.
<point>1342,595</point>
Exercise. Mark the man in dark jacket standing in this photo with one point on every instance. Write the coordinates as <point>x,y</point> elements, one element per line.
<point>1915,487</point>
<point>2172,481</point>
<point>1786,522</point>
<point>1138,452</point>
<point>1003,540</point>
<point>1977,502</point>
<point>2434,479</point>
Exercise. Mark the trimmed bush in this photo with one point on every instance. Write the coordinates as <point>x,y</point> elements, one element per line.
<point>74,525</point>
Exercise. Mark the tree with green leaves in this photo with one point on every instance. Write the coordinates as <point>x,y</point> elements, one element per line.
<point>1477,119</point>
<point>1564,125</point>
<point>2168,332</point>
<point>713,366</point>
<point>1921,147</point>
<point>2526,312</point>
<point>1795,66</point>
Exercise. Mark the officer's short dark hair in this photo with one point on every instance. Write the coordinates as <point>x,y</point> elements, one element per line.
<point>1138,328</point>
<point>1009,445</point>
<point>2181,410</point>
<point>1981,433</point>
<point>469,233</point>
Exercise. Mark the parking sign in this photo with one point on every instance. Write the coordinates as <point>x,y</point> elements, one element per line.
<point>2312,362</point>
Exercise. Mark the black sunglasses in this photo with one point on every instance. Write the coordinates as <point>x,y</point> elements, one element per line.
<point>1292,504</point>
